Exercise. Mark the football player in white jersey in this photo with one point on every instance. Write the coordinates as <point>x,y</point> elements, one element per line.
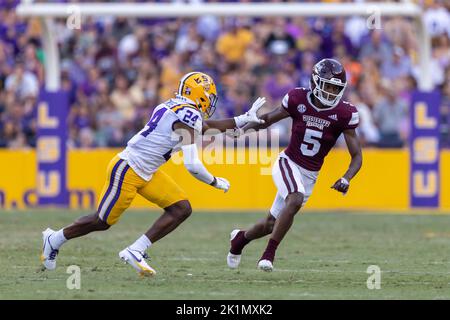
<point>136,170</point>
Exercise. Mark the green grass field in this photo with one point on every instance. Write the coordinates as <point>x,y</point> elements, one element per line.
<point>325,256</point>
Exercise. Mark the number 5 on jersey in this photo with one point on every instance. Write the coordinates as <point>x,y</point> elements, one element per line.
<point>311,139</point>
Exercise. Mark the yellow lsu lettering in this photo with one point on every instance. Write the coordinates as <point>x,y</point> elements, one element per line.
<point>426,150</point>
<point>48,149</point>
<point>425,185</point>
<point>44,119</point>
<point>49,183</point>
<point>422,120</point>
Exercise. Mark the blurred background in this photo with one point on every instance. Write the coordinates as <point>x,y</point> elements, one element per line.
<point>116,70</point>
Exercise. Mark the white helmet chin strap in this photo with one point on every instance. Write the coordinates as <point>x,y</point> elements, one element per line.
<point>325,101</point>
<point>318,92</point>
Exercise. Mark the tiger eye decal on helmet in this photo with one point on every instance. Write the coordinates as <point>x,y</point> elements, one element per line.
<point>199,88</point>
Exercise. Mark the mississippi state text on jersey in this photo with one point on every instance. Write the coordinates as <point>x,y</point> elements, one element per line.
<point>315,130</point>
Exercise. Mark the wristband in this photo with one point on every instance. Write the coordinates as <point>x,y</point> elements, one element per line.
<point>241,120</point>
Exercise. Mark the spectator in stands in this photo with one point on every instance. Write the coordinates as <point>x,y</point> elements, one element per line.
<point>277,85</point>
<point>121,67</point>
<point>396,65</point>
<point>367,129</point>
<point>233,44</point>
<point>391,115</point>
<point>122,98</point>
<point>376,48</point>
<point>22,83</point>
<point>445,114</point>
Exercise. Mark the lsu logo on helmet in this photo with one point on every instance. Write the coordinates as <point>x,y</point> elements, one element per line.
<point>200,89</point>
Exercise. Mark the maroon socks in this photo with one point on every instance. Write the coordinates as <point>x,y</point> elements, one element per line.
<point>269,253</point>
<point>238,243</point>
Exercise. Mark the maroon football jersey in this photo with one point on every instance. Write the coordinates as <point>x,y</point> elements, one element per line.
<point>314,130</point>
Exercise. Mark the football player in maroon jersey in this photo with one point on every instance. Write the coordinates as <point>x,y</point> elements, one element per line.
<point>319,117</point>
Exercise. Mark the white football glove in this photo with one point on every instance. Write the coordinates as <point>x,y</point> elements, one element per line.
<point>251,115</point>
<point>221,183</point>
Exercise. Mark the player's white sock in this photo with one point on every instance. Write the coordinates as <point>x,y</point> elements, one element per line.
<point>141,244</point>
<point>57,239</point>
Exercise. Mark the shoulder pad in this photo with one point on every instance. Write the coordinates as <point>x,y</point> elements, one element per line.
<point>188,115</point>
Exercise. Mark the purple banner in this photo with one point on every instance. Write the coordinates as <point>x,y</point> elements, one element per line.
<point>52,114</point>
<point>424,146</point>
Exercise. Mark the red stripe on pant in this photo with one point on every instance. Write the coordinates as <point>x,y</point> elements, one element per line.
<point>291,175</point>
<point>284,175</point>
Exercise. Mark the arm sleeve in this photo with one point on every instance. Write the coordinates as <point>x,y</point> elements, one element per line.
<point>291,101</point>
<point>353,118</point>
<point>194,165</point>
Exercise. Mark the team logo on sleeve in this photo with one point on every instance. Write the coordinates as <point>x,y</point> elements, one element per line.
<point>301,108</point>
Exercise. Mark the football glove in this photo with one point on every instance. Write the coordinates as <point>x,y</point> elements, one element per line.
<point>251,115</point>
<point>341,185</point>
<point>221,183</point>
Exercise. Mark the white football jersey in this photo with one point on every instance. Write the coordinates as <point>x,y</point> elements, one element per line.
<point>153,145</point>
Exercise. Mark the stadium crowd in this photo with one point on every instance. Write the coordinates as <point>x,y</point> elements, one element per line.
<point>116,70</point>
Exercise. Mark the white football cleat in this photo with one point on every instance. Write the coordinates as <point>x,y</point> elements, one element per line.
<point>48,255</point>
<point>137,260</point>
<point>233,260</point>
<point>265,265</point>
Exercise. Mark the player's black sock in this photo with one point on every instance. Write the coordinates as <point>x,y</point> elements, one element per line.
<point>238,243</point>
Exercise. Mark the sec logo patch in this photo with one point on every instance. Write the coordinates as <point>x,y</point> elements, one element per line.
<point>301,108</point>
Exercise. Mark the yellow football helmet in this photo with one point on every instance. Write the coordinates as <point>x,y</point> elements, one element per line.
<point>201,90</point>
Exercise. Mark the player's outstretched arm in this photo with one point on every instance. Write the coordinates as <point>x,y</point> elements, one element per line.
<point>354,148</point>
<point>192,161</point>
<point>270,118</point>
<point>250,116</point>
